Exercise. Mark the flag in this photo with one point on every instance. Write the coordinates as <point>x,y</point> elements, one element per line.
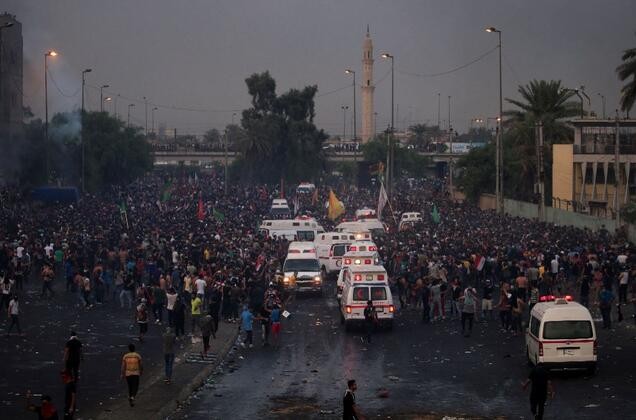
<point>314,197</point>
<point>376,168</point>
<point>166,192</point>
<point>382,200</point>
<point>479,262</point>
<point>123,214</point>
<point>200,209</point>
<point>296,204</point>
<point>336,208</point>
<point>218,215</point>
<point>435,215</point>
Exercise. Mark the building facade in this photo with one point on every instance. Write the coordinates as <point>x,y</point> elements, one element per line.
<point>587,177</point>
<point>11,110</point>
<point>367,88</point>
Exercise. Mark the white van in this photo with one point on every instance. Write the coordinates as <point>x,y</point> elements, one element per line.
<point>293,230</point>
<point>297,247</point>
<point>301,272</point>
<point>366,213</point>
<point>330,247</point>
<point>409,219</point>
<point>365,225</point>
<point>305,188</point>
<point>355,258</point>
<point>362,284</point>
<point>561,334</point>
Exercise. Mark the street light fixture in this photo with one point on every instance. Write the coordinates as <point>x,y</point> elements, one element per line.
<point>499,152</point>
<point>47,54</point>
<point>389,153</point>
<point>101,97</point>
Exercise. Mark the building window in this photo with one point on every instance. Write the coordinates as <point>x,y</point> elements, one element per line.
<point>599,175</point>
<point>589,175</point>
<point>611,178</point>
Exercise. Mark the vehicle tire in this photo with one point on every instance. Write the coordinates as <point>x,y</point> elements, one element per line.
<point>530,364</point>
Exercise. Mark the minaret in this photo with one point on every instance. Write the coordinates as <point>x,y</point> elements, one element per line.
<point>367,89</point>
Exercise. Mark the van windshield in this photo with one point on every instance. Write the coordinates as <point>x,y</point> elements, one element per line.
<point>554,330</point>
<point>305,235</point>
<point>301,265</point>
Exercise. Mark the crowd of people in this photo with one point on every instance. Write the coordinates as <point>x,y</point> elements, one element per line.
<point>172,249</point>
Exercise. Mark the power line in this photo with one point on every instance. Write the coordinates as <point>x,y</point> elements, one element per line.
<point>60,90</point>
<point>453,70</point>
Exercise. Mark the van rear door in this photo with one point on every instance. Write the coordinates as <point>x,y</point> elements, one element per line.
<point>568,340</point>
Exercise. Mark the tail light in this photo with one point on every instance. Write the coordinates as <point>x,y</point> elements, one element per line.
<point>353,248</point>
<point>357,277</point>
<point>541,349</point>
<point>348,261</point>
<point>348,309</point>
<point>391,309</point>
<point>381,277</point>
<point>595,347</point>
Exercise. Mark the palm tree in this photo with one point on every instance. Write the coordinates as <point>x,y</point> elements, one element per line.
<point>625,71</point>
<point>544,101</point>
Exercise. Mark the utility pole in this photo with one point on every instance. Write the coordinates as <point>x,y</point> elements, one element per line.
<point>146,112</point>
<point>439,104</point>
<point>538,132</point>
<point>450,164</point>
<point>83,175</point>
<point>617,173</point>
<point>603,101</point>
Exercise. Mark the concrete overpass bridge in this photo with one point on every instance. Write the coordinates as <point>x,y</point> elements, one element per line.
<point>191,157</point>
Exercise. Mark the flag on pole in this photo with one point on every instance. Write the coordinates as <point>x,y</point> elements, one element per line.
<point>200,209</point>
<point>382,200</point>
<point>336,208</point>
<point>435,215</point>
<point>166,192</point>
<point>123,214</point>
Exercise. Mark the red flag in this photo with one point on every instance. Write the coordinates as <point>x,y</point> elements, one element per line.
<point>200,210</point>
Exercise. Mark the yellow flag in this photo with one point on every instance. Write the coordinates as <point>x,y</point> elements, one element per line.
<point>336,208</point>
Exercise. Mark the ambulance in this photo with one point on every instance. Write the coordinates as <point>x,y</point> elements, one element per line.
<point>356,258</point>
<point>364,225</point>
<point>301,270</point>
<point>409,219</point>
<point>361,284</point>
<point>330,247</point>
<point>561,334</point>
<point>293,230</point>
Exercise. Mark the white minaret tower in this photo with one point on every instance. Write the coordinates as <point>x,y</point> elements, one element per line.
<point>368,129</point>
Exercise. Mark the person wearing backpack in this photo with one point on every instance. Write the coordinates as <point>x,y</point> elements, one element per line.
<point>469,300</point>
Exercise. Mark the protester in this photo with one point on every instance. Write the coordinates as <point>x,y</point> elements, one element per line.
<point>131,370</point>
<point>169,340</point>
<point>46,410</point>
<point>541,386</point>
<point>73,356</point>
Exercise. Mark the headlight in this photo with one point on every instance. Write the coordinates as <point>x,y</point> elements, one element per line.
<point>286,280</point>
<point>317,279</point>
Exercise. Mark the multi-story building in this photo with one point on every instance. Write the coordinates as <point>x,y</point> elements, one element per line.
<point>584,174</point>
<point>11,111</point>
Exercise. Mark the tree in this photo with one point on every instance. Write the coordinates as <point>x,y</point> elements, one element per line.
<point>213,138</point>
<point>279,138</point>
<point>407,162</point>
<point>544,101</point>
<point>421,135</point>
<point>626,71</point>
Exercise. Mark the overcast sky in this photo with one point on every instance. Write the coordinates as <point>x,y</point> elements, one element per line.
<point>197,53</point>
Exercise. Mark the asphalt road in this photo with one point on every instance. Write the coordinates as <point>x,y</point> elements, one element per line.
<point>424,369</point>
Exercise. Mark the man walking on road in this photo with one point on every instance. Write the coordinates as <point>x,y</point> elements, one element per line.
<point>349,408</point>
<point>246,324</point>
<point>14,312</point>
<point>131,369</point>
<point>206,326</point>
<point>370,318</point>
<point>169,339</point>
<point>468,310</point>
<point>541,384</point>
<point>73,355</point>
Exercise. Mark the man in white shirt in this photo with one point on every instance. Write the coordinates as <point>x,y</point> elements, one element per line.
<point>200,284</point>
<point>13,312</point>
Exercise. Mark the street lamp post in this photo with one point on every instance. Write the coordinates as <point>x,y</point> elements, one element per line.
<point>83,178</point>
<point>389,157</point>
<point>146,116</point>
<point>499,151</point>
<point>47,54</point>
<point>355,116</point>
<point>603,101</point>
<point>129,106</point>
<point>107,99</point>
<point>344,122</point>
<point>101,97</point>
<point>115,106</point>
<point>153,119</point>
